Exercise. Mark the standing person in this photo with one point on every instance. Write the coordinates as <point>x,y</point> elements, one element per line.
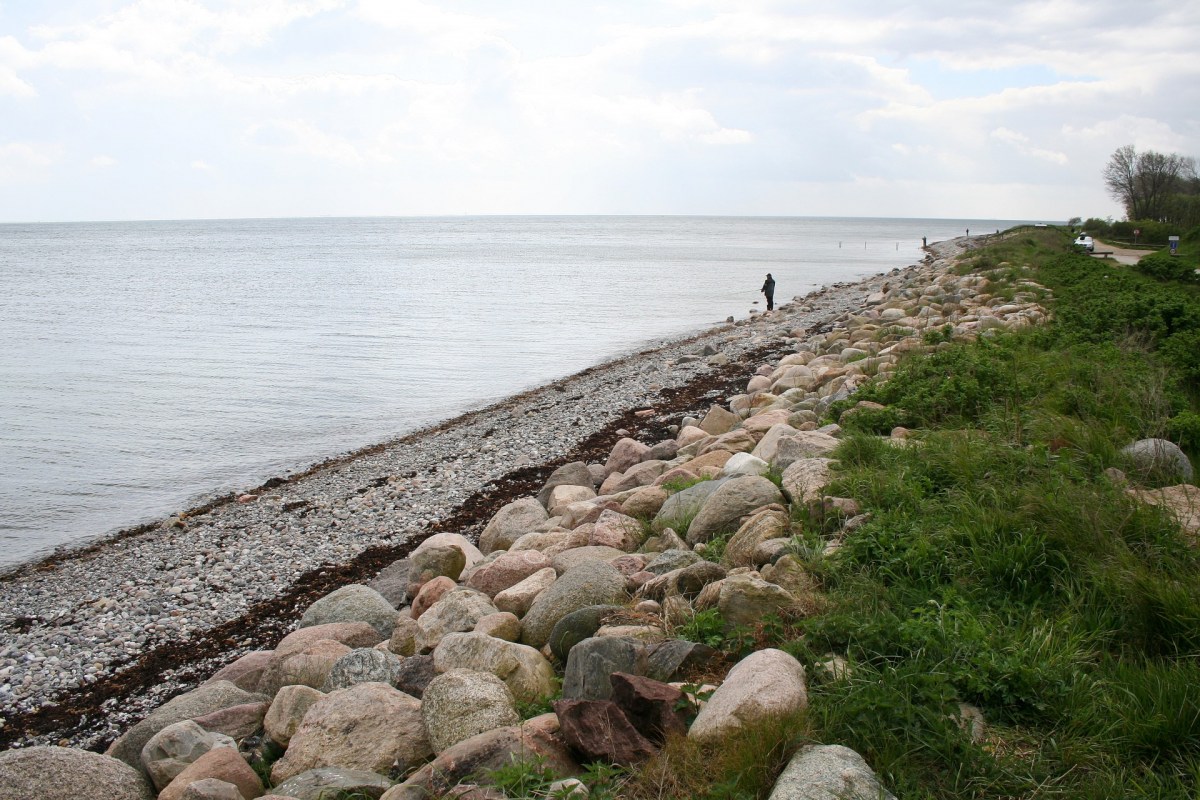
<point>768,288</point>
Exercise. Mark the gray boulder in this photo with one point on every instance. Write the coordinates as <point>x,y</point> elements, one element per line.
<point>287,712</point>
<point>326,782</point>
<point>363,665</point>
<point>671,560</point>
<point>588,584</point>
<point>61,773</point>
<point>511,523</point>
<point>576,626</point>
<point>434,562</point>
<point>667,661</point>
<point>175,747</point>
<point>524,670</point>
<point>681,507</point>
<point>767,684</point>
<point>1160,458</point>
<point>461,703</point>
<point>353,603</point>
<point>196,703</point>
<point>392,582</point>
<point>574,474</point>
<point>459,610</point>
<point>591,663</point>
<point>828,772</point>
<point>211,789</point>
<point>730,505</point>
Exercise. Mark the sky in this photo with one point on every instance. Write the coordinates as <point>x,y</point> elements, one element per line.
<point>194,109</point>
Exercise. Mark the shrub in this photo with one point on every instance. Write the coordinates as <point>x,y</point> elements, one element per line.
<point>1163,266</point>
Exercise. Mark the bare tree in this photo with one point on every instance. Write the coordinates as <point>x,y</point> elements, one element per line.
<point>1144,182</point>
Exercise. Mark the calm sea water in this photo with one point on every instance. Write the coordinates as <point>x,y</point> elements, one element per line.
<point>146,366</point>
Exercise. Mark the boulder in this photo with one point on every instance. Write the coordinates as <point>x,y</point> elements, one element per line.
<point>645,502</point>
<point>689,434</point>
<point>576,626</point>
<point>588,584</point>
<point>61,773</point>
<point>616,530</point>
<point>563,496</point>
<point>351,634</point>
<point>732,502</point>
<point>364,665</point>
<point>211,789</point>
<point>287,711</point>
<point>746,599</point>
<point>200,701</point>
<point>405,637</point>
<point>804,480</point>
<point>591,663</point>
<point>458,611</point>
<point>175,747</point>
<point>671,560</point>
<point>651,706</point>
<point>392,583</point>
<point>767,684</point>
<point>686,582</point>
<point>680,508</point>
<point>323,783</point>
<point>308,667</point>
<point>461,703</point>
<point>501,625</point>
<point>744,464</point>
<point>518,599</point>
<point>224,764</point>
<point>599,731</point>
<point>1160,458</point>
<point>767,523</point>
<point>1182,502</point>
<point>435,562</point>
<point>524,670</point>
<point>574,474</point>
<point>415,674</point>
<point>237,722</point>
<point>512,522</point>
<point>667,661</point>
<point>370,726</point>
<point>537,738</point>
<point>737,441</point>
<point>507,570</point>
<point>352,603</point>
<point>718,420</point>
<point>471,553</point>
<point>828,772</point>
<point>573,557</point>
<point>625,453</point>
<point>430,594</point>
<point>245,672</point>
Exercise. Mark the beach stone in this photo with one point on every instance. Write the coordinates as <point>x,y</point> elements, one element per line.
<point>766,684</point>
<point>666,661</point>
<point>573,557</point>
<point>507,570</point>
<point>718,420</point>
<point>351,634</point>
<point>415,674</point>
<point>625,453</point>
<point>392,583</point>
<point>435,562</point>
<point>744,464</point>
<point>222,763</point>
<point>518,599</point>
<point>600,731</point>
<point>1162,457</point>
<point>805,479</point>
<point>736,441</point>
<point>651,706</point>
<point>364,665</point>
<point>370,726</point>
<point>687,582</point>
<point>746,599</point>
<point>404,637</point>
<point>664,450</point>
<point>199,701</point>
<point>681,507</point>
<point>352,603</point>
<point>591,662</point>
<point>828,772</point>
<point>501,625</point>
<point>245,672</point>
<point>461,703</point>
<point>430,594</point>
<point>287,710</point>
<point>671,560</point>
<point>471,553</point>
<point>616,530</point>
<point>211,789</point>
<point>689,434</point>
<point>588,584</point>
<point>523,669</point>
<point>767,523</point>
<point>576,626</point>
<point>237,722</point>
<point>667,540</point>
<point>61,773</point>
<point>645,502</point>
<point>1182,502</point>
<point>323,783</point>
<point>537,738</point>
<point>172,749</point>
<point>511,523</point>
<point>768,446</point>
<point>563,496</point>
<point>308,667</point>
<point>575,473</point>
<point>732,502</point>
<point>458,610</point>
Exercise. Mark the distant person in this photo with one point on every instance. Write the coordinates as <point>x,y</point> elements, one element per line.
<point>768,288</point>
<point>923,242</point>
<point>968,231</point>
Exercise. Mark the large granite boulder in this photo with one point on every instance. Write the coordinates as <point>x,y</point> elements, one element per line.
<point>804,481</point>
<point>600,731</point>
<point>524,670</point>
<point>223,764</point>
<point>730,505</point>
<point>511,523</point>
<point>507,569</point>
<point>392,582</point>
<point>653,707</point>
<point>767,523</point>
<point>718,420</point>
<point>199,701</point>
<point>828,772</point>
<point>364,665</point>
<point>471,553</point>
<point>591,663</point>
<point>680,508</point>
<point>245,672</point>
<point>287,711</point>
<point>308,667</point>
<point>518,599</point>
<point>1182,502</point>
<point>175,747</point>
<point>352,603</point>
<point>767,684</point>
<point>1160,458</point>
<point>458,611</point>
<point>616,530</point>
<point>370,726</point>
<point>61,773</point>
<point>625,453</point>
<point>576,626</point>
<point>575,556</point>
<point>461,703</point>
<point>588,584</point>
<point>435,562</point>
<point>574,474</point>
<point>323,783</point>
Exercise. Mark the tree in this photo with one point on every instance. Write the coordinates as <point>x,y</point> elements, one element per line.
<point>1145,182</point>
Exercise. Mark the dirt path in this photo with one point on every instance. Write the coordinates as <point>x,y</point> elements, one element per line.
<point>1119,254</point>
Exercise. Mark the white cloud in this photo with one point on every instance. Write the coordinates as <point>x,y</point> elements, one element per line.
<point>103,162</point>
<point>1020,142</point>
<point>201,166</point>
<point>25,159</point>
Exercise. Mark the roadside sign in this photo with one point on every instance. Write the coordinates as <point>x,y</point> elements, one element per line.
<point>1174,240</point>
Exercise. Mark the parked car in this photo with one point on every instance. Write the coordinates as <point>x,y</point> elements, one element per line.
<point>1085,241</point>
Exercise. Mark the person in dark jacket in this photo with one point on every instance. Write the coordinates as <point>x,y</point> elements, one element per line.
<point>769,290</point>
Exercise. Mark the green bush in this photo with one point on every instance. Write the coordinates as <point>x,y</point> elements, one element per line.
<point>1163,266</point>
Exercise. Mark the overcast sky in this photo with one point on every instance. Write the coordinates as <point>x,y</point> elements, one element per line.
<point>166,109</point>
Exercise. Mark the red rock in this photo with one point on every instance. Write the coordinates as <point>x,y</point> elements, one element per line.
<point>650,706</point>
<point>600,731</point>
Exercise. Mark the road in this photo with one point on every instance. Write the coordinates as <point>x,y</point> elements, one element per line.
<point>1119,253</point>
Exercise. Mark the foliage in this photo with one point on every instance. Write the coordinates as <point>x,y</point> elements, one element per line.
<point>1163,266</point>
<point>1144,182</point>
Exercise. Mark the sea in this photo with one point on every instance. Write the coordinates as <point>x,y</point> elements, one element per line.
<point>146,367</point>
